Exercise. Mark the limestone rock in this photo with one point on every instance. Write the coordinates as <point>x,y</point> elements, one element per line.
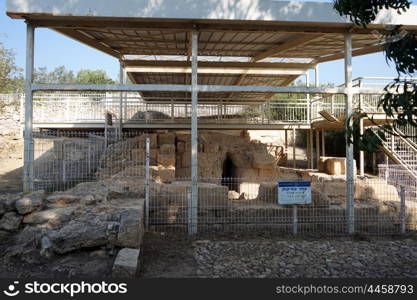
<point>167,138</point>
<point>166,174</point>
<point>126,263</point>
<point>87,232</point>
<point>268,192</point>
<point>30,202</point>
<point>54,217</point>
<point>166,160</point>
<point>8,201</point>
<point>10,221</point>
<point>26,244</point>
<point>131,228</point>
<point>4,235</point>
<point>139,155</point>
<point>180,147</point>
<point>233,195</point>
<point>262,160</point>
<point>60,199</point>
<point>168,149</point>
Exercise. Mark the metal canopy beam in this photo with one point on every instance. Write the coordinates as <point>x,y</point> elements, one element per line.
<point>297,42</point>
<point>89,41</point>
<point>246,71</point>
<point>357,52</point>
<point>121,23</point>
<point>201,88</point>
<point>217,64</point>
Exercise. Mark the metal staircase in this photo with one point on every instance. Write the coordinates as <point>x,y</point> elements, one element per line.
<point>402,151</point>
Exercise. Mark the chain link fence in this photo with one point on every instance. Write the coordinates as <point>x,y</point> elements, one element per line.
<point>64,159</point>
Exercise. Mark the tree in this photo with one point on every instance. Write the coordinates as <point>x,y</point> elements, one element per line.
<point>59,75</point>
<point>11,79</point>
<point>399,100</point>
<point>93,77</point>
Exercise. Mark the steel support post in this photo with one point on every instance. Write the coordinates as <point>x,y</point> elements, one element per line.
<point>121,81</point>
<point>286,145</point>
<point>193,206</point>
<point>323,143</point>
<point>317,147</point>
<point>403,208</point>
<point>293,148</point>
<point>28,179</point>
<point>361,131</point>
<point>308,98</point>
<point>311,150</point>
<point>350,188</point>
<point>147,180</point>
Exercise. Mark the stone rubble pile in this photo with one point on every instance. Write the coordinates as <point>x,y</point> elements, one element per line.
<point>88,216</point>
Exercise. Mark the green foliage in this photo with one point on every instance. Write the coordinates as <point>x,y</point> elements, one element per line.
<point>93,77</point>
<point>400,97</point>
<point>11,79</point>
<point>61,75</point>
<point>402,51</point>
<point>400,101</point>
<point>363,12</point>
<point>368,141</point>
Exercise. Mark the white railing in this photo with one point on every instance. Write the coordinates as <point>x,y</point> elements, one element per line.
<point>92,107</point>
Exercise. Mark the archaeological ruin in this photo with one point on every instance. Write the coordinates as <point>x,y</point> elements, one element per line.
<point>215,107</point>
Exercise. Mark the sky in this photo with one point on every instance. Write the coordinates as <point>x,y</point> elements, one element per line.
<point>53,50</point>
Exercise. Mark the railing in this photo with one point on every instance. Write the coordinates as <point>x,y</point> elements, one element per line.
<point>92,108</point>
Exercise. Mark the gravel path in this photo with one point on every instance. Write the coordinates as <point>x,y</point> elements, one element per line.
<point>309,259</point>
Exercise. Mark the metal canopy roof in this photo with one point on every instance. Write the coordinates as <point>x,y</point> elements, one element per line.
<point>299,35</point>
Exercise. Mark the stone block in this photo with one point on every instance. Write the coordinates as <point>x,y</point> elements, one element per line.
<point>139,155</point>
<point>268,173</point>
<point>141,140</point>
<point>56,216</point>
<point>10,221</point>
<point>180,147</point>
<point>186,160</point>
<point>167,149</point>
<point>166,173</point>
<point>262,160</point>
<point>126,263</point>
<point>30,202</point>
<point>334,165</point>
<point>166,138</point>
<point>166,160</point>
<point>131,228</point>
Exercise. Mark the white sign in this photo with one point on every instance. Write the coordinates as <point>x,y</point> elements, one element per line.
<point>294,193</point>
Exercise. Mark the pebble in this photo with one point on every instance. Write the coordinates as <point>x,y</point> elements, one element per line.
<point>309,259</point>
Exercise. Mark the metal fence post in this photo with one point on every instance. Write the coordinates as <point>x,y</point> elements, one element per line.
<point>402,211</point>
<point>294,163</point>
<point>147,181</point>
<point>28,181</point>
<point>294,220</point>
<point>350,185</point>
<point>194,136</point>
